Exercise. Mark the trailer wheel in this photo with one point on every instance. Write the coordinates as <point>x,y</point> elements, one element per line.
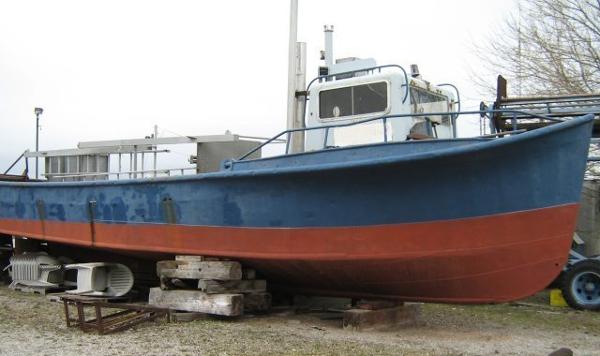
<point>581,285</point>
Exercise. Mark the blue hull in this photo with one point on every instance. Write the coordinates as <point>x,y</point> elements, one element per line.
<point>367,185</point>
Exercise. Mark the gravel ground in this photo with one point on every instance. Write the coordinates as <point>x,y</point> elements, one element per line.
<point>31,325</point>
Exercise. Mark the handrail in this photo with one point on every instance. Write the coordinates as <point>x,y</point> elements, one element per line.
<point>384,119</point>
<point>458,102</point>
<point>322,77</point>
<point>17,161</point>
<point>166,171</point>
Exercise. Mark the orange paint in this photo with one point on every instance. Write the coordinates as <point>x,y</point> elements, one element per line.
<point>485,259</point>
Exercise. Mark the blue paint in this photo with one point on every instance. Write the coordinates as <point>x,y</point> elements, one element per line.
<point>363,185</point>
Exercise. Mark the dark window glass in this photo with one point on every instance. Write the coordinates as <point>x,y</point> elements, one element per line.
<point>370,98</point>
<point>348,101</point>
<point>335,103</point>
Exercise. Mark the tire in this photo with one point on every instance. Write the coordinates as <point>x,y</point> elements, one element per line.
<point>581,285</point>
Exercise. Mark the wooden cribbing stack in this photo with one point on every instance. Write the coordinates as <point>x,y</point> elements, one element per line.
<point>209,285</point>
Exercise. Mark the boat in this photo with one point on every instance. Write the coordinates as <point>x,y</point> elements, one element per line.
<point>433,218</point>
<point>451,220</point>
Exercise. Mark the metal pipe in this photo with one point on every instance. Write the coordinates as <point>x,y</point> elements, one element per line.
<point>297,144</point>
<point>327,127</point>
<point>458,102</point>
<point>37,143</point>
<point>329,47</point>
<point>38,112</point>
<point>385,135</point>
<point>291,99</point>
<point>135,158</point>
<point>15,162</point>
<point>155,148</point>
<point>94,174</point>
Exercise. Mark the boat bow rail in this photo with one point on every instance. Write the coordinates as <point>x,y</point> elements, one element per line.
<point>384,121</point>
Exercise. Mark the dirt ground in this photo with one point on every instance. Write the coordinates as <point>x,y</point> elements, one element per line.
<point>32,325</point>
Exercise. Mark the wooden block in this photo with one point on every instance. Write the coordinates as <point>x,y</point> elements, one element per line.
<point>376,304</point>
<point>180,317</point>
<point>248,273</point>
<point>321,303</point>
<point>196,301</point>
<point>219,270</point>
<point>160,265</point>
<point>401,316</point>
<point>257,302</point>
<point>240,286</point>
<point>215,259</point>
<point>187,258</point>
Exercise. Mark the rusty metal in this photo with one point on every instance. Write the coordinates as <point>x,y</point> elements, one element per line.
<point>13,178</point>
<point>552,106</point>
<point>129,315</point>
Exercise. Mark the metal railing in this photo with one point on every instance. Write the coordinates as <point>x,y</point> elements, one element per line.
<point>385,119</point>
<point>17,161</point>
<point>458,103</point>
<point>130,174</point>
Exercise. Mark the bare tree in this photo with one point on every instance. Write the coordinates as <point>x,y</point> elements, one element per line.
<point>549,47</point>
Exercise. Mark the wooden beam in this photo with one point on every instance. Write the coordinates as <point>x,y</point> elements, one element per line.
<point>241,286</point>
<point>388,318</point>
<point>196,301</point>
<point>219,270</point>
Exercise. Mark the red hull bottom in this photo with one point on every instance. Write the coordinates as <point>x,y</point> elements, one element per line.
<point>477,260</point>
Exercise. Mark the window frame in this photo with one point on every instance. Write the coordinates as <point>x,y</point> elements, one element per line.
<point>357,116</point>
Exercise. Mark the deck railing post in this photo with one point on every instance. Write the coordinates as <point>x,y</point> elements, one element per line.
<point>287,142</point>
<point>385,136</point>
<point>326,137</point>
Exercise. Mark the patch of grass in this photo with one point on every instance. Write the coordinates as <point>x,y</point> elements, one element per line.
<point>533,312</point>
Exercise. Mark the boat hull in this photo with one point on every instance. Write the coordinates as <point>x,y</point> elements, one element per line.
<point>463,221</point>
<point>476,260</point>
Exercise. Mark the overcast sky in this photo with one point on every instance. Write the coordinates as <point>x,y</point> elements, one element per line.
<point>113,69</point>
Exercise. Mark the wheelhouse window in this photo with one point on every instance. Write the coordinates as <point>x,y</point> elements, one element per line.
<point>423,101</point>
<point>356,100</point>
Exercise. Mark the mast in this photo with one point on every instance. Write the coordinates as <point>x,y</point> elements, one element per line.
<point>296,82</point>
